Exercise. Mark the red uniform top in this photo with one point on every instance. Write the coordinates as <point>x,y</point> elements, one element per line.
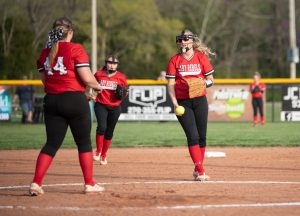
<point>257,89</point>
<point>109,85</point>
<point>182,69</point>
<point>62,76</point>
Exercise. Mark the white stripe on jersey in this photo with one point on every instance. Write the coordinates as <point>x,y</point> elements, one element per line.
<point>209,73</point>
<point>41,69</point>
<point>170,76</point>
<point>82,65</point>
<point>109,87</point>
<point>187,73</point>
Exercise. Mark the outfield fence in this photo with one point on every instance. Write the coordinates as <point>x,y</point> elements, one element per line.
<point>274,95</point>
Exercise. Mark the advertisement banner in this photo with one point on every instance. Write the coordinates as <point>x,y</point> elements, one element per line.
<point>147,103</point>
<point>229,103</point>
<point>290,110</point>
<point>152,102</point>
<point>5,104</point>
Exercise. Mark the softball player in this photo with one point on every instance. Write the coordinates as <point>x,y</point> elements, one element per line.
<point>107,107</point>
<point>189,73</point>
<point>257,89</point>
<point>65,72</point>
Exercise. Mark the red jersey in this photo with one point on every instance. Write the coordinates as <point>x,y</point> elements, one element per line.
<point>257,89</point>
<point>182,69</point>
<point>109,85</point>
<point>61,76</point>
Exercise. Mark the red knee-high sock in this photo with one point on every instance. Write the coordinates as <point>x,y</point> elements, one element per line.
<point>202,149</point>
<point>42,164</point>
<point>86,164</point>
<point>106,144</point>
<point>195,154</point>
<point>255,120</point>
<point>99,143</point>
<point>263,120</point>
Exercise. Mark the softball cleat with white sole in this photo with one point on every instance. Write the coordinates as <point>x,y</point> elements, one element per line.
<point>97,157</point>
<point>103,161</point>
<point>35,190</point>
<point>89,189</point>
<point>199,177</point>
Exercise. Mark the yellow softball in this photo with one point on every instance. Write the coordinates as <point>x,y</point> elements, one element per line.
<point>179,110</point>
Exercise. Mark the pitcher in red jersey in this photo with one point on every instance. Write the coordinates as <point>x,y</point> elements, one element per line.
<point>65,73</point>
<point>257,89</point>
<point>108,105</point>
<point>189,71</point>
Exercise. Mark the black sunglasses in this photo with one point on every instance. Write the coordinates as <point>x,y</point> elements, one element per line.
<point>112,62</point>
<point>180,38</point>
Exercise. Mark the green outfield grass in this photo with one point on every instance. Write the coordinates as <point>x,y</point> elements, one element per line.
<point>134,134</point>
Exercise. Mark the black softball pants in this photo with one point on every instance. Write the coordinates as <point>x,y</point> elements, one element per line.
<point>194,120</point>
<point>63,110</point>
<point>107,118</point>
<point>257,104</point>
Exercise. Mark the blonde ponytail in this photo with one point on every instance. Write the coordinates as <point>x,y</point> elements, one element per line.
<point>201,47</point>
<point>52,53</point>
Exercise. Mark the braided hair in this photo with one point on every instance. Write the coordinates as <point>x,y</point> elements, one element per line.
<point>59,31</point>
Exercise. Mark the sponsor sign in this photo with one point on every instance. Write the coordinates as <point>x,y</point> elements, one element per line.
<point>152,102</point>
<point>290,110</point>
<point>229,103</point>
<point>5,104</point>
<point>147,102</point>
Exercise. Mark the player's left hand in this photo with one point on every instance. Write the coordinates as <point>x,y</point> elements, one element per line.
<point>121,92</point>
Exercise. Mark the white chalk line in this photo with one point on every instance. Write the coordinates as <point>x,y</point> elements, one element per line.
<point>156,182</point>
<point>178,207</point>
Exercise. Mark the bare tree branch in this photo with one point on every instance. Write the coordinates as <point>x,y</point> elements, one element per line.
<point>205,18</point>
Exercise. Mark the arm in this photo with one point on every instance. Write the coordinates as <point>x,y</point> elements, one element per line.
<point>263,88</point>
<point>88,78</point>
<point>171,90</point>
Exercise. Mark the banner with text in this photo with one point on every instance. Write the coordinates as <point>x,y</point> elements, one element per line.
<point>290,110</point>
<point>152,102</point>
<point>229,103</point>
<point>5,104</point>
<point>147,102</point>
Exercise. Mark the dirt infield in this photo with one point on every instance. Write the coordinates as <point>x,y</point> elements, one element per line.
<point>157,181</point>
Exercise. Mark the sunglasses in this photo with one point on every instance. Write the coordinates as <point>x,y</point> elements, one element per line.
<point>185,38</point>
<point>112,62</point>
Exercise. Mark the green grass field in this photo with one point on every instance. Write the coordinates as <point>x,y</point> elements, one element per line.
<point>134,134</point>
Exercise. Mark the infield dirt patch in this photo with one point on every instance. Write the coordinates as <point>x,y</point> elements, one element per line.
<point>157,181</point>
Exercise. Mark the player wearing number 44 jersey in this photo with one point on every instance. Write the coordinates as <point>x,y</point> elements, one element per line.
<point>107,107</point>
<point>189,73</point>
<point>65,72</point>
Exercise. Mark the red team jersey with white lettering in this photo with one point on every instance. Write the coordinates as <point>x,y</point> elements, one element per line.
<point>109,85</point>
<point>181,69</point>
<point>257,94</point>
<point>62,76</point>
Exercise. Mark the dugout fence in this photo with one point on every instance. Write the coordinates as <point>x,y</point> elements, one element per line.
<point>273,94</point>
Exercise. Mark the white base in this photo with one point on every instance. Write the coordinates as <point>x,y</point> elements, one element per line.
<point>215,154</point>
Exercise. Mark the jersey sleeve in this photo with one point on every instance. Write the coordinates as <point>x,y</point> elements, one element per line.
<point>81,58</point>
<point>207,67</point>
<point>171,69</point>
<point>123,80</point>
<point>41,60</point>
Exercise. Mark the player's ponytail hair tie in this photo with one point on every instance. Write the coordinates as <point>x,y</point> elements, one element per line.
<point>54,36</point>
<point>59,31</point>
